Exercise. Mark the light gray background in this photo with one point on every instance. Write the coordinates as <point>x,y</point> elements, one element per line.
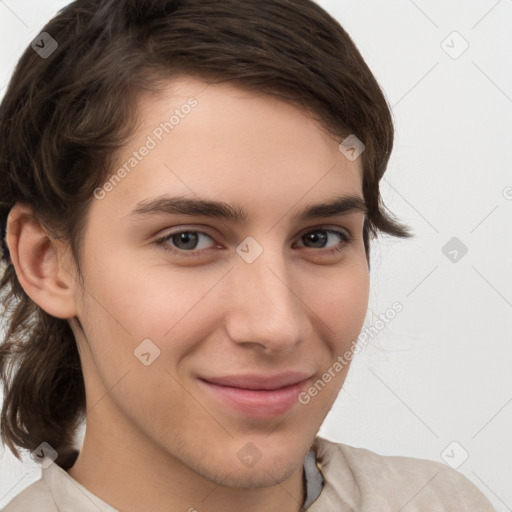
<point>440,372</point>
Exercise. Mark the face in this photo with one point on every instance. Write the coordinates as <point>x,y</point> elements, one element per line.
<point>177,298</point>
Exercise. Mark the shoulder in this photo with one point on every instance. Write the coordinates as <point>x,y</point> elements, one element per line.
<point>370,480</point>
<point>36,496</point>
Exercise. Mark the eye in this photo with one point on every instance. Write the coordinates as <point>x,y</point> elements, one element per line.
<point>320,236</point>
<point>187,243</point>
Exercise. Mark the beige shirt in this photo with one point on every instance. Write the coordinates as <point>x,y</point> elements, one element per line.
<point>350,480</point>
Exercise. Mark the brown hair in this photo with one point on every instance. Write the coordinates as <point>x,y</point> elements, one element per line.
<point>64,117</point>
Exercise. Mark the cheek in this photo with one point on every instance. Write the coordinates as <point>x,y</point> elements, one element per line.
<point>341,305</point>
<point>121,309</point>
<point>341,302</point>
<point>140,298</point>
<point>124,307</point>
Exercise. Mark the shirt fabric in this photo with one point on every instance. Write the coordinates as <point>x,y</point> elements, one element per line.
<point>338,478</point>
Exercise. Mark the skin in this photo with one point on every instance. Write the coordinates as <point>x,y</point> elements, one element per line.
<point>155,439</point>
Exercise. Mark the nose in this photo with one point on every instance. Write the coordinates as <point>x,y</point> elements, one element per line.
<point>266,306</point>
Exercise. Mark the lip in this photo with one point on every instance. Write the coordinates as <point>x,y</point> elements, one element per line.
<point>254,381</point>
<point>258,396</point>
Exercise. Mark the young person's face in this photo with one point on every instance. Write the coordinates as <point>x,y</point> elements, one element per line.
<point>208,308</point>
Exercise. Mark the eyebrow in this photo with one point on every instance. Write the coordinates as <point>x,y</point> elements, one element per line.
<point>180,205</point>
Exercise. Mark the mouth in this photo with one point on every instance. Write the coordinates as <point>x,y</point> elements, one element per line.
<point>257,396</point>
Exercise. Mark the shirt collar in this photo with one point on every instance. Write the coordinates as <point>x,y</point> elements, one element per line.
<point>313,479</point>
<point>70,495</point>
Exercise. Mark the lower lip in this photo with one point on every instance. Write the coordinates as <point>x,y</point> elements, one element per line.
<point>257,403</point>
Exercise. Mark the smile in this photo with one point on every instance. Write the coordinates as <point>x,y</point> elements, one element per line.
<point>257,397</point>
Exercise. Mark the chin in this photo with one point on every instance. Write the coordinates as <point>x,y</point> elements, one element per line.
<point>228,470</point>
<point>253,478</point>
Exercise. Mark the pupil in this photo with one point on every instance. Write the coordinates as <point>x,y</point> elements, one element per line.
<point>183,237</point>
<point>315,237</point>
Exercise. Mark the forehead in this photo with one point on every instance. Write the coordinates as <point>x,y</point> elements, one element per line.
<point>220,141</point>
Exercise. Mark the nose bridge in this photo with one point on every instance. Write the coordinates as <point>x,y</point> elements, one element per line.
<point>267,310</point>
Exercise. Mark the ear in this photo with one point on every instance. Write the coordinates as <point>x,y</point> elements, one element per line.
<point>42,265</point>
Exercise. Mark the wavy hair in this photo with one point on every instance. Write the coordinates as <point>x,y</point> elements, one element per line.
<point>64,117</point>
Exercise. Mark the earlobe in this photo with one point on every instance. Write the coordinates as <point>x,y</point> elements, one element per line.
<point>39,264</point>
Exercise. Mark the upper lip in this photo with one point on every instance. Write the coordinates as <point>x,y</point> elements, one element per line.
<point>255,381</point>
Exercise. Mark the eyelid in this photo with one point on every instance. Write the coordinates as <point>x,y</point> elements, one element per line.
<point>325,227</point>
<point>185,229</point>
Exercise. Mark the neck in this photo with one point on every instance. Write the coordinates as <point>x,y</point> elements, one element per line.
<point>130,473</point>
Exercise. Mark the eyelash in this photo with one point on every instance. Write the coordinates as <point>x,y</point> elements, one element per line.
<point>162,242</point>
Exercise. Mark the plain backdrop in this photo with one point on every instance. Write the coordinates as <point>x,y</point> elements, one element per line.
<point>436,381</point>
